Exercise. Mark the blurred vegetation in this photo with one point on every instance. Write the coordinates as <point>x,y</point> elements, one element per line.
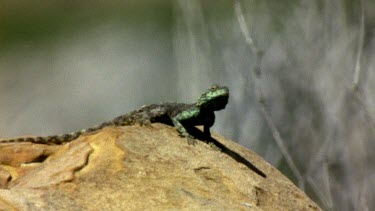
<point>27,23</point>
<point>167,50</point>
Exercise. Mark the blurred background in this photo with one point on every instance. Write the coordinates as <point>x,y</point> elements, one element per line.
<point>67,65</point>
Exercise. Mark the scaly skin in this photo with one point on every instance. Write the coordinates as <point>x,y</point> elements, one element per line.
<point>179,114</point>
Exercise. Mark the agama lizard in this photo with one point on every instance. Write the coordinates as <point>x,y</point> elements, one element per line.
<point>179,114</point>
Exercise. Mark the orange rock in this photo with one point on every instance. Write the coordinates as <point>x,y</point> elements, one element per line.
<point>142,168</point>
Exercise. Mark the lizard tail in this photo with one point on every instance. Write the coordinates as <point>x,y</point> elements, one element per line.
<point>56,139</point>
<point>50,140</point>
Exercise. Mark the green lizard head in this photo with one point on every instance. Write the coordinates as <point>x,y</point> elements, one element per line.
<point>216,98</point>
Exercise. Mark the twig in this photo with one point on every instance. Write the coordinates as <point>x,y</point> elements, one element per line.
<point>361,199</point>
<point>318,192</point>
<point>243,26</point>
<point>326,180</point>
<point>259,96</point>
<point>282,147</point>
<point>357,69</point>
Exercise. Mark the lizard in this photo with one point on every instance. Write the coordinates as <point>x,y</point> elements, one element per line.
<point>179,115</point>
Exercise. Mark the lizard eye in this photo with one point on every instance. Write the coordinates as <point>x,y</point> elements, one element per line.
<point>214,86</point>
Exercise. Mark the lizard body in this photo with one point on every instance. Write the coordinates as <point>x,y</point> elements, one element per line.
<point>177,114</point>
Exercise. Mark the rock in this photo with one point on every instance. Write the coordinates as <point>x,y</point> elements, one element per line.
<point>140,168</point>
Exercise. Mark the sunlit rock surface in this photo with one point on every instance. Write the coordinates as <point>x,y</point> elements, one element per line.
<point>140,168</point>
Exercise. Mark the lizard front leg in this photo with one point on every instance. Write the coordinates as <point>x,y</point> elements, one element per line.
<point>188,114</point>
<point>181,129</point>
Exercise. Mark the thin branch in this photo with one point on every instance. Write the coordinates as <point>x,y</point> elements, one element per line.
<point>258,93</point>
<point>361,199</point>
<point>318,192</point>
<point>244,29</point>
<point>326,181</point>
<point>281,145</point>
<point>357,69</point>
